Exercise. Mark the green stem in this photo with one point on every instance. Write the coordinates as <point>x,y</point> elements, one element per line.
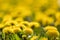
<point>16,37</point>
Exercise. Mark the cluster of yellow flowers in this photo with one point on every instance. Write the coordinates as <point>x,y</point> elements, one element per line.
<point>29,20</point>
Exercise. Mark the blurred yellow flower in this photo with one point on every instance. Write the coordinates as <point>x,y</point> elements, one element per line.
<point>50,12</point>
<point>43,38</point>
<point>50,20</point>
<point>7,30</point>
<point>1,25</point>
<point>11,23</point>
<point>39,16</point>
<point>34,24</point>
<point>57,23</point>
<point>28,30</point>
<point>42,2</point>
<point>52,33</point>
<point>26,23</point>
<point>7,18</point>
<point>24,36</point>
<point>34,38</point>
<point>19,19</point>
<point>1,14</point>
<point>50,28</point>
<point>21,26</point>
<point>47,20</point>
<point>21,11</point>
<point>5,6</point>
<point>16,29</point>
<point>57,15</point>
<point>28,2</point>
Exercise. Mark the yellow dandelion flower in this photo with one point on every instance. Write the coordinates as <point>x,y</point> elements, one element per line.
<point>50,12</point>
<point>53,4</point>
<point>7,18</point>
<point>39,16</point>
<point>28,2</point>
<point>34,38</point>
<point>52,33</point>
<point>43,38</point>
<point>24,36</point>
<point>28,30</point>
<point>41,2</point>
<point>8,30</point>
<point>1,25</point>
<point>44,20</point>
<point>26,23</point>
<point>57,23</point>
<point>21,11</point>
<point>21,26</point>
<point>1,14</point>
<point>5,6</point>
<point>34,24</point>
<point>50,20</point>
<point>19,19</point>
<point>50,28</point>
<point>16,29</point>
<point>47,20</point>
<point>11,22</point>
<point>57,15</point>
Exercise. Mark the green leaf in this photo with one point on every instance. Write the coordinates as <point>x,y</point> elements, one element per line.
<point>16,37</point>
<point>42,32</point>
<point>3,36</point>
<point>58,27</point>
<point>36,31</point>
<point>39,31</point>
<point>7,37</point>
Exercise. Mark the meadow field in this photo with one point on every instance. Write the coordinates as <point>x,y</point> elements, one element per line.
<point>29,19</point>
